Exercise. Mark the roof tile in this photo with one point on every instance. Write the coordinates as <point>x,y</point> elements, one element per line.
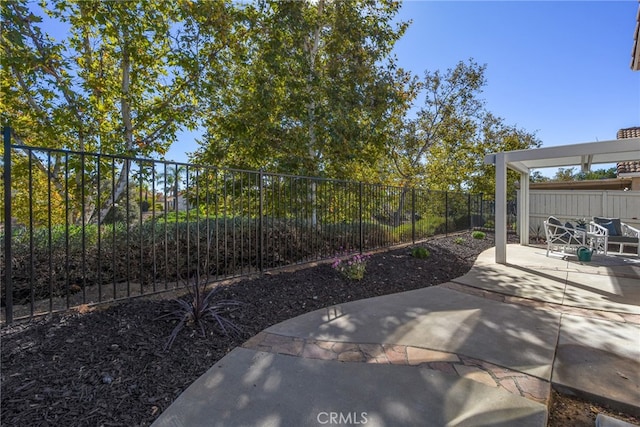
<point>634,166</point>
<point>633,132</point>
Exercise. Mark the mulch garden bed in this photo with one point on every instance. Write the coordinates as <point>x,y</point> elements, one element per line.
<point>105,366</point>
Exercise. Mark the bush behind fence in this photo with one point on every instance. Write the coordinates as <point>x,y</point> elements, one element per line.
<point>99,228</point>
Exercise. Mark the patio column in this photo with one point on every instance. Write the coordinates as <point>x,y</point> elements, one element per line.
<point>501,209</point>
<point>523,212</point>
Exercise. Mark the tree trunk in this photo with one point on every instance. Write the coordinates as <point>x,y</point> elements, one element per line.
<point>311,112</point>
<point>125,107</point>
<point>397,216</point>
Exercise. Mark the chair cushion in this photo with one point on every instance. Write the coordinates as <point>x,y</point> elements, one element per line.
<point>554,221</point>
<point>624,239</point>
<point>570,231</point>
<point>611,224</point>
<point>610,228</point>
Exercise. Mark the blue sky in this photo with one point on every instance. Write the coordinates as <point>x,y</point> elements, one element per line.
<point>560,69</point>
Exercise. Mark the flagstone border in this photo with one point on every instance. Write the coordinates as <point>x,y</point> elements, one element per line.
<point>515,382</point>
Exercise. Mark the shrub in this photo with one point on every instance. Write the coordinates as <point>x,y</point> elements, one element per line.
<point>157,252</point>
<point>353,268</point>
<point>180,216</point>
<point>462,222</point>
<point>424,227</point>
<point>127,210</point>
<point>420,252</point>
<point>199,308</point>
<point>458,240</point>
<point>478,235</point>
<point>144,206</point>
<point>378,234</point>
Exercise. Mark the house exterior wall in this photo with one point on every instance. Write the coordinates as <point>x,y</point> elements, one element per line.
<point>571,204</point>
<point>181,202</point>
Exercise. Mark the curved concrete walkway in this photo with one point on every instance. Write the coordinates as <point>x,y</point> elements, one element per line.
<point>482,350</point>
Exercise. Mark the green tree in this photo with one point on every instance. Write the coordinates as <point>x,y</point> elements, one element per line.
<point>33,196</point>
<point>564,174</point>
<point>495,136</point>
<point>597,174</point>
<point>570,174</point>
<point>536,176</point>
<point>313,89</point>
<point>444,146</point>
<point>169,180</point>
<point>429,146</point>
<point>123,82</point>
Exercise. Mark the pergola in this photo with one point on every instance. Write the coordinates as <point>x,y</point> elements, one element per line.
<point>584,155</point>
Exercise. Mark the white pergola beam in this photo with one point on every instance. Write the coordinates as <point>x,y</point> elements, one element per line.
<point>519,167</point>
<point>617,150</point>
<point>585,165</point>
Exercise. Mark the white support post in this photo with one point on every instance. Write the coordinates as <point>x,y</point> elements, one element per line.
<point>501,209</point>
<point>523,212</point>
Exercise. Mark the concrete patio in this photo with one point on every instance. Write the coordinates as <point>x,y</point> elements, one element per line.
<point>485,349</point>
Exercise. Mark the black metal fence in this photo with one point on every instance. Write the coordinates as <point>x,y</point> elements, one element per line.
<point>85,228</point>
<point>487,210</point>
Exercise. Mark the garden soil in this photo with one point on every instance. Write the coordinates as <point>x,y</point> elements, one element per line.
<point>106,365</point>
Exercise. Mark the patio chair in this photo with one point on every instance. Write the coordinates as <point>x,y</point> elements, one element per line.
<point>562,237</point>
<point>614,232</point>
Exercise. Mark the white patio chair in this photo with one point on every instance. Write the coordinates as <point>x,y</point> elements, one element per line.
<point>612,231</point>
<point>561,237</point>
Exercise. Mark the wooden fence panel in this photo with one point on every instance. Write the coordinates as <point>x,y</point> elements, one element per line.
<point>568,205</point>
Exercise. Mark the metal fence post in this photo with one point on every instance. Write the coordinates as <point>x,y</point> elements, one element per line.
<point>261,223</point>
<point>446,213</point>
<point>8,283</point>
<point>469,211</point>
<point>413,215</point>
<point>361,243</point>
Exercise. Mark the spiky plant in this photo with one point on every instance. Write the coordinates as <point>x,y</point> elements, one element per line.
<point>199,308</point>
